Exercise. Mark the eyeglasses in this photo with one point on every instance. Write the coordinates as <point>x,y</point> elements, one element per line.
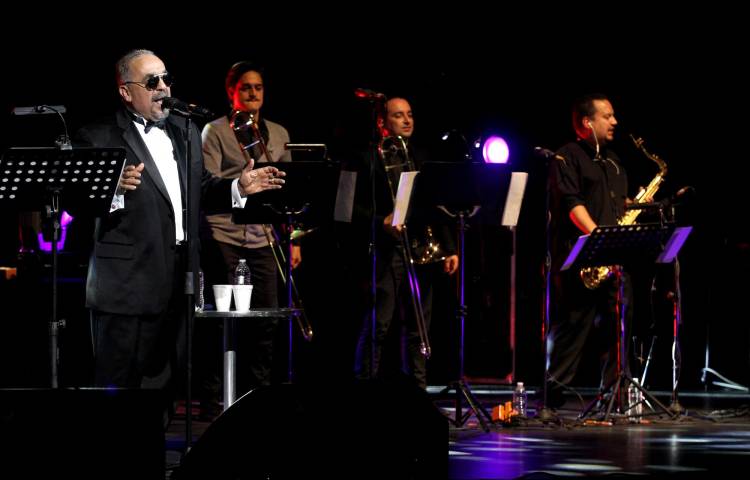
<point>152,81</point>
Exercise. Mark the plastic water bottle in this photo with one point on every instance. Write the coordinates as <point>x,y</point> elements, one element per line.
<point>635,402</point>
<point>520,399</point>
<point>242,273</point>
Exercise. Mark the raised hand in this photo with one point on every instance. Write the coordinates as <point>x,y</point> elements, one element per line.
<point>259,179</point>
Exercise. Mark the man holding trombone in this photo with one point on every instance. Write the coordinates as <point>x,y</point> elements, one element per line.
<point>403,275</point>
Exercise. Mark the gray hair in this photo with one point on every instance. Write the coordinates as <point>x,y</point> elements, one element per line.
<point>122,67</point>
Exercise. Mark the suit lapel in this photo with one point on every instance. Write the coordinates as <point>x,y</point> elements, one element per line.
<point>176,135</point>
<point>133,140</point>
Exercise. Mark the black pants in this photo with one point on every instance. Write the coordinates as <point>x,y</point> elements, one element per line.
<point>395,322</point>
<point>141,350</point>
<point>577,314</point>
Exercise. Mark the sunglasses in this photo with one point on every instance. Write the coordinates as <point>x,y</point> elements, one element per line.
<point>152,82</point>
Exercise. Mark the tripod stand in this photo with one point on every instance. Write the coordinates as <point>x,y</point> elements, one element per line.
<point>466,191</point>
<point>460,386</point>
<point>621,245</point>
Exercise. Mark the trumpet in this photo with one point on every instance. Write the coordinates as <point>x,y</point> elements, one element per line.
<point>248,135</point>
<point>394,145</point>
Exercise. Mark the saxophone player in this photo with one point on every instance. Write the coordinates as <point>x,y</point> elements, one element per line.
<point>393,314</point>
<point>587,187</point>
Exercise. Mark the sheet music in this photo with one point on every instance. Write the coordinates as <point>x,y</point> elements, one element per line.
<point>674,244</point>
<point>574,252</point>
<point>405,187</point>
<point>342,211</point>
<point>514,199</point>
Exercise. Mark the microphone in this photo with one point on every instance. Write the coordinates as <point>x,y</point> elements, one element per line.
<point>184,108</point>
<point>665,202</point>
<point>546,153</point>
<point>677,195</point>
<point>367,94</point>
<point>39,110</point>
<point>683,191</point>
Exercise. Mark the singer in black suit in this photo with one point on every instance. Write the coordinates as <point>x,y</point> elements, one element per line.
<point>135,282</point>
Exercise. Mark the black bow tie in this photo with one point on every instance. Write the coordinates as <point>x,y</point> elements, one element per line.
<point>149,124</point>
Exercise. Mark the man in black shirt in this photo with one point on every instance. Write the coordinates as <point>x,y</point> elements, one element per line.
<point>393,296</point>
<point>588,187</point>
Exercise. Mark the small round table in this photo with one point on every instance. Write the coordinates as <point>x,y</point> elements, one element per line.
<point>230,355</point>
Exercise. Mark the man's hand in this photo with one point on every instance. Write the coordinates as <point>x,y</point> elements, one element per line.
<point>296,256</point>
<point>394,231</point>
<point>450,264</point>
<point>130,178</point>
<point>645,199</point>
<point>257,180</point>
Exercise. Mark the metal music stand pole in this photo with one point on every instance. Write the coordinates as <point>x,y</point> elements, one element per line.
<point>463,191</point>
<point>460,386</point>
<point>86,176</point>
<point>620,245</point>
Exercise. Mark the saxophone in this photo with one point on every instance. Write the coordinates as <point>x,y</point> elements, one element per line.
<point>593,276</point>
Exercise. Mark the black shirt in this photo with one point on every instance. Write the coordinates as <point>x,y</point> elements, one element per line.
<point>598,183</point>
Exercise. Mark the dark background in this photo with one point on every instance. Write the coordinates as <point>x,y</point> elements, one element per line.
<point>680,85</point>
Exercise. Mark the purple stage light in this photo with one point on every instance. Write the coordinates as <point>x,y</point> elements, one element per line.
<point>495,150</point>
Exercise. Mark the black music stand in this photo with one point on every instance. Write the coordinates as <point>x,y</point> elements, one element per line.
<point>308,196</point>
<point>624,245</point>
<point>51,179</point>
<point>461,191</point>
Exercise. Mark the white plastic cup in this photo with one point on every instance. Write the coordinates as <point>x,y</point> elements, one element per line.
<point>242,296</point>
<point>223,297</point>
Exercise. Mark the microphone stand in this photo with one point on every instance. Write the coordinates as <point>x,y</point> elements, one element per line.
<point>190,281</point>
<point>546,414</point>
<point>187,216</point>
<point>374,139</point>
<point>675,406</point>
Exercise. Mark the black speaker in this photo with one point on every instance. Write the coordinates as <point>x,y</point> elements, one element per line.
<point>81,433</point>
<point>360,430</point>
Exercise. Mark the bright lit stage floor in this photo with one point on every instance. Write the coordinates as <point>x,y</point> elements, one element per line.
<point>712,436</point>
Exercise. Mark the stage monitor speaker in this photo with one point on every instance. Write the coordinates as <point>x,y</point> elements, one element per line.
<point>360,430</point>
<point>81,433</point>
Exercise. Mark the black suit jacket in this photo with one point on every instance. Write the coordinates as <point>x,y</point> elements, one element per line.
<point>131,270</point>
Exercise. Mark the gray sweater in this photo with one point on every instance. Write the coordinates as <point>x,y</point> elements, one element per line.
<point>224,157</point>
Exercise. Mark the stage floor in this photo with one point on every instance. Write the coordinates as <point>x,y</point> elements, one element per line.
<point>712,436</point>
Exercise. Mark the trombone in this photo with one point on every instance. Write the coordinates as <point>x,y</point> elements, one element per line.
<point>416,298</point>
<point>248,135</point>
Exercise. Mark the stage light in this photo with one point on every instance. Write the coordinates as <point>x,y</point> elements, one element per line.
<point>494,150</point>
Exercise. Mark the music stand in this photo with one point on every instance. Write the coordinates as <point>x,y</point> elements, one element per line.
<point>624,245</point>
<point>83,179</point>
<point>461,191</point>
<point>309,195</point>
